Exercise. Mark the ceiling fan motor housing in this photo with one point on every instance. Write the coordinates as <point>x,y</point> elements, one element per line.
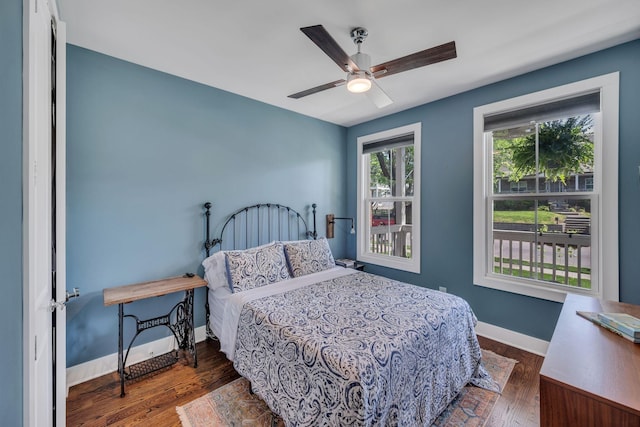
<point>363,61</point>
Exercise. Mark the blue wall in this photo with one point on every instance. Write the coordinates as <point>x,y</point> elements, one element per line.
<point>11,211</point>
<point>144,151</point>
<point>447,187</point>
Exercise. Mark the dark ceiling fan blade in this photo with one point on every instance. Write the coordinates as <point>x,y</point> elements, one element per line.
<point>378,96</point>
<point>324,41</point>
<point>415,60</point>
<point>318,89</point>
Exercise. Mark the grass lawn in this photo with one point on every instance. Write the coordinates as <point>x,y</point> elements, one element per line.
<point>526,217</point>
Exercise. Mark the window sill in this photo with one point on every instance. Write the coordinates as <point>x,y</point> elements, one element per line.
<point>403,264</point>
<point>531,290</point>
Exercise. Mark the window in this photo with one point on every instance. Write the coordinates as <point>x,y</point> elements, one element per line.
<point>546,192</point>
<point>389,198</point>
<point>518,186</point>
<point>588,182</point>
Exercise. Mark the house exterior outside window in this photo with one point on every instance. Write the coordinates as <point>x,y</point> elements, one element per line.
<point>389,198</point>
<point>554,230</point>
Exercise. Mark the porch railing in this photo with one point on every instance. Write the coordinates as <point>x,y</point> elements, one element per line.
<point>556,257</point>
<point>391,240</point>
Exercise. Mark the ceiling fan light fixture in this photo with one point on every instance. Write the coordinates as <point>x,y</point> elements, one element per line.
<point>358,82</point>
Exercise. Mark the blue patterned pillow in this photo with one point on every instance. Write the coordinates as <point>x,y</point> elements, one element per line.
<point>252,268</point>
<point>308,256</point>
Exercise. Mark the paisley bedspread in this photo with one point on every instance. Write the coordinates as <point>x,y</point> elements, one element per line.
<point>358,350</point>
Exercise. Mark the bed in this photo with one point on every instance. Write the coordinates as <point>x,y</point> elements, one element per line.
<point>327,345</point>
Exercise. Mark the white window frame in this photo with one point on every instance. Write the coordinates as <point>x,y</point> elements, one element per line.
<point>604,231</point>
<point>363,234</point>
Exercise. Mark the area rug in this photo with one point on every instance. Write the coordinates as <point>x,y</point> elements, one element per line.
<point>232,405</point>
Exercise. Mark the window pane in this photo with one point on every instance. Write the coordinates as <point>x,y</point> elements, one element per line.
<point>390,228</point>
<point>391,172</point>
<point>546,240</point>
<point>555,156</point>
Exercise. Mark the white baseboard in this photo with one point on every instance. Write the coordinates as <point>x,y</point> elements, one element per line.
<point>95,368</point>
<point>512,338</point>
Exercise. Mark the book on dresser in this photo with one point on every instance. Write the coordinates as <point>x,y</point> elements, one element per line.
<point>596,318</point>
<point>623,322</point>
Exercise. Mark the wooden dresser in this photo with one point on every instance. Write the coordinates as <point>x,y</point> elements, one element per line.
<point>590,376</point>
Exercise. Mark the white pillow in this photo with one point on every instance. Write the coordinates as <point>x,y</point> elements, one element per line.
<point>215,271</point>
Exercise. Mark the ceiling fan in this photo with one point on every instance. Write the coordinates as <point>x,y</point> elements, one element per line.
<point>361,76</point>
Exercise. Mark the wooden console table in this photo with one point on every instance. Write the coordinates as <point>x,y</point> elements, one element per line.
<point>590,376</point>
<point>179,320</point>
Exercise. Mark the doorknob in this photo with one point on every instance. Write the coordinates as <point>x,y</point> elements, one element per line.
<point>74,294</point>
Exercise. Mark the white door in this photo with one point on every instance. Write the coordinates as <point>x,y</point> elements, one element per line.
<point>44,215</point>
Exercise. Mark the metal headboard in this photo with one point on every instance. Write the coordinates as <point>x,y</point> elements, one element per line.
<point>256,225</point>
<point>259,224</point>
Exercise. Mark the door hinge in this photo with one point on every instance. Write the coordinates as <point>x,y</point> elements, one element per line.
<point>35,348</point>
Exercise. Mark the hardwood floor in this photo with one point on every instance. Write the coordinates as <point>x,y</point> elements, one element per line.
<point>151,401</point>
<point>519,404</point>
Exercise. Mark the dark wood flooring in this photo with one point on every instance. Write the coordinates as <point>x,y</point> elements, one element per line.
<point>151,401</point>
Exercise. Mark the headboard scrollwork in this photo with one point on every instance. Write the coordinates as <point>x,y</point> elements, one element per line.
<point>258,224</point>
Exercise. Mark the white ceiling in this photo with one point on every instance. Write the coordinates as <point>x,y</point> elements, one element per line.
<point>254,48</point>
